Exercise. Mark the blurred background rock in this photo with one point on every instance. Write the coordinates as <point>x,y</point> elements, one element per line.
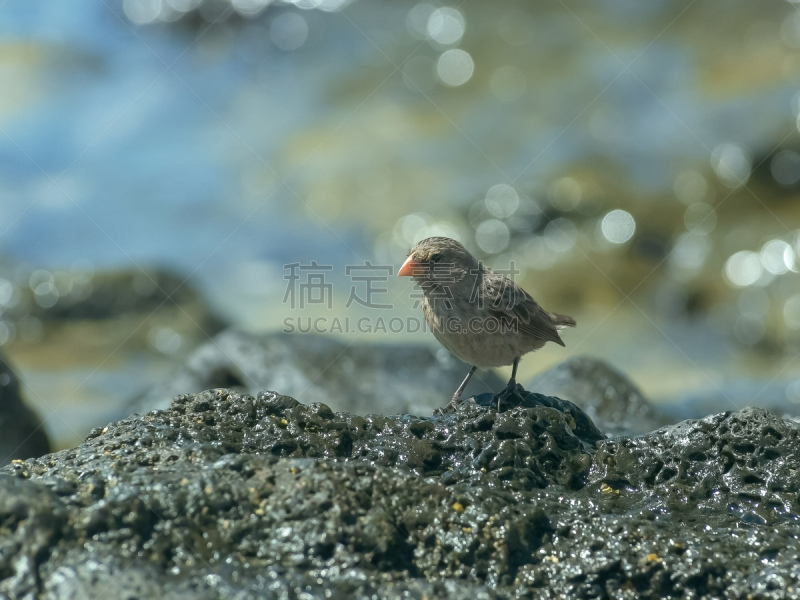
<point>639,162</point>
<point>21,433</point>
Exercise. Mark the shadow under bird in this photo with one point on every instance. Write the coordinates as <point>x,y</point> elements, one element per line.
<point>481,316</point>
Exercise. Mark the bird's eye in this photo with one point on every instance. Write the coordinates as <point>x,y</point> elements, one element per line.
<point>436,257</point>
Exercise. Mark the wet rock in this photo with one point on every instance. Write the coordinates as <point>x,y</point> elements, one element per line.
<point>578,420</point>
<point>470,444</point>
<point>733,469</point>
<point>386,378</point>
<point>226,492</point>
<point>226,495</point>
<point>612,400</point>
<point>37,518</point>
<point>21,431</point>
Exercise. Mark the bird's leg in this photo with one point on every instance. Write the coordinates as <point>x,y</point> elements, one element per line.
<point>513,381</point>
<point>456,400</point>
<point>511,387</point>
<point>457,396</point>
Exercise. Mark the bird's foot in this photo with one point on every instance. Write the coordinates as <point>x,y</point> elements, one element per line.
<point>511,390</point>
<point>451,406</point>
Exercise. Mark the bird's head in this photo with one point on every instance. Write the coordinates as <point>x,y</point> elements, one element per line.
<point>438,259</point>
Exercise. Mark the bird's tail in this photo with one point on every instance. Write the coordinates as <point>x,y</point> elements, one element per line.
<point>562,321</point>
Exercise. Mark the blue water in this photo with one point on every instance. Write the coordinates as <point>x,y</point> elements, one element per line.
<point>152,133</point>
<point>129,147</point>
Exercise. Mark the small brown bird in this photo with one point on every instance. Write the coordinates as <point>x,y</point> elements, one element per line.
<point>482,317</point>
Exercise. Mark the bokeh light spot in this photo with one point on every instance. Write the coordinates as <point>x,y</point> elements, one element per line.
<point>791,312</point>
<point>417,20</point>
<point>777,257</point>
<point>249,8</point>
<point>7,332</point>
<point>492,236</point>
<point>560,235</point>
<point>331,5</point>
<point>164,340</point>
<point>618,226</point>
<point>732,164</point>
<point>790,30</point>
<point>785,167</point>
<point>6,291</point>
<point>743,268</point>
<point>502,200</point>
<point>793,392</point>
<point>142,12</point>
<point>455,67</point>
<point>288,31</point>
<point>183,5</point>
<point>690,251</point>
<point>413,228</point>
<point>446,26</point>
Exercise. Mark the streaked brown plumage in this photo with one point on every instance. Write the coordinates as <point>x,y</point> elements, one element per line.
<point>482,317</point>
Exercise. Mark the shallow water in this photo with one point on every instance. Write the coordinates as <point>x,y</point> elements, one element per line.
<point>227,151</point>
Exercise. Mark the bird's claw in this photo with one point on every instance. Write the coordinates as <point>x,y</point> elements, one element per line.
<point>512,389</point>
<point>451,406</point>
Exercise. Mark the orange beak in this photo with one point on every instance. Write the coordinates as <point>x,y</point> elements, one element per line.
<point>409,267</point>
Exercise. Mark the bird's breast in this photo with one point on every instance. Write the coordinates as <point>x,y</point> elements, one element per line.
<point>458,327</point>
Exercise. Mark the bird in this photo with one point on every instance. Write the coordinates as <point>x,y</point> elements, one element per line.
<point>481,316</point>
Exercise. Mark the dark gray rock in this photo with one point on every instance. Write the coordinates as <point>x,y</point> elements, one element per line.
<point>733,469</point>
<point>579,421</point>
<point>612,400</point>
<point>37,517</point>
<point>226,495</point>
<point>356,377</point>
<point>21,431</point>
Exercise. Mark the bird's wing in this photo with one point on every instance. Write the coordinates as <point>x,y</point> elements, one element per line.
<point>505,299</point>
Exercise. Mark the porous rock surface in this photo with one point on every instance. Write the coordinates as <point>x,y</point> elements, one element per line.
<point>733,469</point>
<point>226,495</point>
